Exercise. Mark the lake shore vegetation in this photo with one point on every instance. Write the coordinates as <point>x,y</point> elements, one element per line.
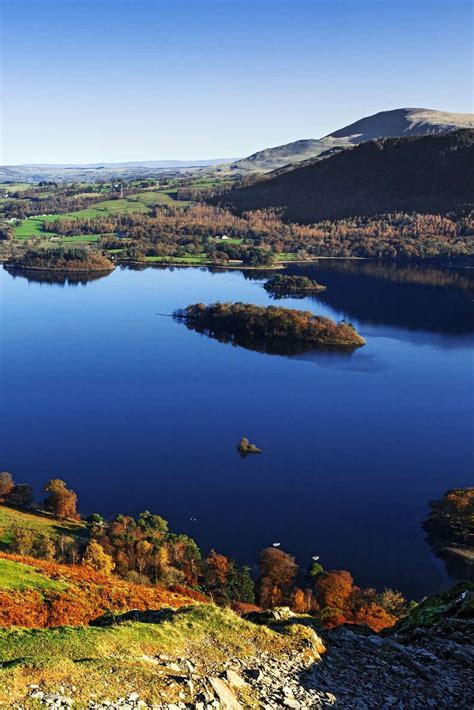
<point>57,568</point>
<point>172,221</point>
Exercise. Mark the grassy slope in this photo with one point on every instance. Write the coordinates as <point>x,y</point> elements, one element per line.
<point>114,661</point>
<point>14,575</point>
<point>77,595</point>
<point>10,517</point>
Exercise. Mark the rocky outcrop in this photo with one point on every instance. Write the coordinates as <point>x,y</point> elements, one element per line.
<point>425,661</point>
<point>244,447</point>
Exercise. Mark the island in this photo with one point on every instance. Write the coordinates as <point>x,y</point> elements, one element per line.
<point>295,286</point>
<point>268,329</point>
<point>60,259</point>
<point>244,447</point>
<point>450,528</point>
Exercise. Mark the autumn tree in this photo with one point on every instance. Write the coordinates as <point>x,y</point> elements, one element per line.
<point>143,550</point>
<point>298,602</point>
<point>215,576</point>
<point>22,540</point>
<point>44,547</point>
<point>333,589</point>
<point>60,501</point>
<point>95,557</point>
<point>6,485</point>
<point>393,602</point>
<point>277,571</point>
<point>67,549</point>
<point>21,495</point>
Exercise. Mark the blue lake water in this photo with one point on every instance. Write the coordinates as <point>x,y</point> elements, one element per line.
<point>137,412</point>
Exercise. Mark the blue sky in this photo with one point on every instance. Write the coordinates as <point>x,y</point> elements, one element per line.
<point>115,80</point>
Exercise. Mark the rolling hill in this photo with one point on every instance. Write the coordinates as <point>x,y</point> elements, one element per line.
<point>42,593</point>
<point>432,173</point>
<point>386,124</point>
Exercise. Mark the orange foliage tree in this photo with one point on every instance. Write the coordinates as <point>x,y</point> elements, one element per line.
<point>277,571</point>
<point>60,501</point>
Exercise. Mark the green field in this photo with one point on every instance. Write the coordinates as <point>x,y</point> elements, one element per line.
<point>231,240</point>
<point>10,517</point>
<point>16,187</point>
<point>154,198</point>
<point>187,259</point>
<point>14,575</point>
<point>80,239</point>
<point>32,228</point>
<point>142,203</point>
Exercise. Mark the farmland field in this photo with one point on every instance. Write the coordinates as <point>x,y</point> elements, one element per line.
<point>142,202</point>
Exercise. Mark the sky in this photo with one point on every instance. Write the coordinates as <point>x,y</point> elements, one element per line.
<point>120,80</point>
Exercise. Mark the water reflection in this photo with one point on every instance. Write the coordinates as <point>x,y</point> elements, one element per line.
<point>349,361</point>
<point>427,298</point>
<point>56,278</point>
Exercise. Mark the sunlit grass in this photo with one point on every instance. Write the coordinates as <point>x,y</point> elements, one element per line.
<point>14,575</point>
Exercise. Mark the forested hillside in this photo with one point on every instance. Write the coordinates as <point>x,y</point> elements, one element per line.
<point>423,174</point>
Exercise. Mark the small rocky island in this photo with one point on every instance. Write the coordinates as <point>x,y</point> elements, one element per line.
<point>61,259</point>
<point>450,528</point>
<point>244,447</point>
<point>296,286</point>
<point>272,329</point>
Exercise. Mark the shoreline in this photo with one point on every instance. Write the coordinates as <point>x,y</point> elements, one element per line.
<point>243,267</point>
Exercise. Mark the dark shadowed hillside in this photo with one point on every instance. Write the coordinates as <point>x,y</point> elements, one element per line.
<point>432,173</point>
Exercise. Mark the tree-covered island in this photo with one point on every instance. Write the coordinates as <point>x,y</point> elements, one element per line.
<point>73,259</point>
<point>270,329</point>
<point>285,285</point>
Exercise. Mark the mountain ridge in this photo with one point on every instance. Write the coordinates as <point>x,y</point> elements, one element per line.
<point>393,123</point>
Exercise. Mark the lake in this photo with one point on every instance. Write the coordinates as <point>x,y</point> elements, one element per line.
<point>137,412</point>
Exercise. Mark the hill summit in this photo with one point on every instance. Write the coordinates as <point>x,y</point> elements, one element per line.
<point>385,124</point>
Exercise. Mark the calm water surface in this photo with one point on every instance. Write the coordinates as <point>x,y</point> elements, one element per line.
<point>136,412</point>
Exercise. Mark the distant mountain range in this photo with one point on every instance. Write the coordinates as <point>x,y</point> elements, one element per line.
<point>433,173</point>
<point>70,172</point>
<point>386,124</point>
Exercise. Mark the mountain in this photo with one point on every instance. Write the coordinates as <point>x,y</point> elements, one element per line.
<point>386,124</point>
<point>433,173</point>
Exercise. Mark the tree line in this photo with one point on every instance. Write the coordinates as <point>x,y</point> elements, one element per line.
<point>196,228</point>
<point>143,550</point>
